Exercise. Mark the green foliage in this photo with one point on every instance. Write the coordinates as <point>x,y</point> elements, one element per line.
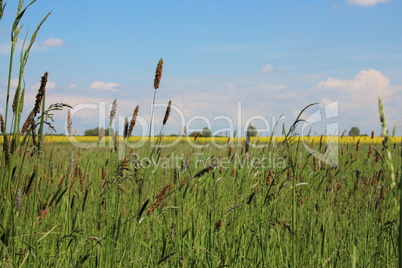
<point>354,131</point>
<point>206,132</point>
<point>252,131</point>
<point>195,133</point>
<point>95,132</point>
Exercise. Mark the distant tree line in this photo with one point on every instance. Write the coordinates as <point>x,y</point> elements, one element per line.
<point>95,132</point>
<point>205,132</point>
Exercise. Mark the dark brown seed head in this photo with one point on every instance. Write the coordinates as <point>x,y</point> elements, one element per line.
<point>6,149</point>
<point>218,225</point>
<point>123,166</point>
<point>203,171</point>
<point>269,177</point>
<point>125,132</point>
<point>358,145</point>
<point>165,119</point>
<point>377,157</point>
<point>382,193</point>
<point>133,120</point>
<point>41,93</point>
<point>184,181</point>
<point>28,122</point>
<point>230,150</point>
<point>2,123</point>
<point>339,185</point>
<point>343,133</point>
<point>159,199</point>
<point>320,142</point>
<point>162,193</point>
<point>196,135</point>
<point>158,74</point>
<point>176,174</point>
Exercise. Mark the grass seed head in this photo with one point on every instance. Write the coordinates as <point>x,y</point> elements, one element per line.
<point>101,133</point>
<point>28,122</point>
<point>113,112</point>
<point>343,133</point>
<point>6,150</point>
<point>184,182</point>
<point>358,145</point>
<point>196,135</point>
<point>158,74</point>
<point>2,123</point>
<point>69,123</point>
<point>218,225</point>
<point>41,93</point>
<point>269,177</point>
<point>133,120</point>
<point>203,171</point>
<point>125,132</point>
<point>165,119</point>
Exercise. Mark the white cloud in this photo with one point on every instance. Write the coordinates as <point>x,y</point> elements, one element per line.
<point>49,85</point>
<point>72,86</point>
<point>325,101</point>
<point>14,82</point>
<point>104,85</point>
<point>270,87</point>
<point>267,69</point>
<point>358,97</point>
<point>366,83</point>
<point>52,42</point>
<point>366,2</point>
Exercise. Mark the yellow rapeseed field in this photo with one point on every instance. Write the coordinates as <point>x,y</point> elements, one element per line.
<point>220,140</point>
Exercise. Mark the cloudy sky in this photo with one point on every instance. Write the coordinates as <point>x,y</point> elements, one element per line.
<point>227,63</point>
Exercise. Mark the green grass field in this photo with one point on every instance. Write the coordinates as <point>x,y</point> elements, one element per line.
<point>199,207</point>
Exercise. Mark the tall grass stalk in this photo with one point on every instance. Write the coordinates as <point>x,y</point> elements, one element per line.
<point>20,91</point>
<point>165,119</point>
<point>391,170</point>
<point>13,166</point>
<point>293,166</point>
<point>157,80</point>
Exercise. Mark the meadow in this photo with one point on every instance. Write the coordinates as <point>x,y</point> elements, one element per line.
<point>199,207</point>
<point>70,201</point>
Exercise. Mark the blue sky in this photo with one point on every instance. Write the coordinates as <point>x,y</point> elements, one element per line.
<point>267,57</point>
